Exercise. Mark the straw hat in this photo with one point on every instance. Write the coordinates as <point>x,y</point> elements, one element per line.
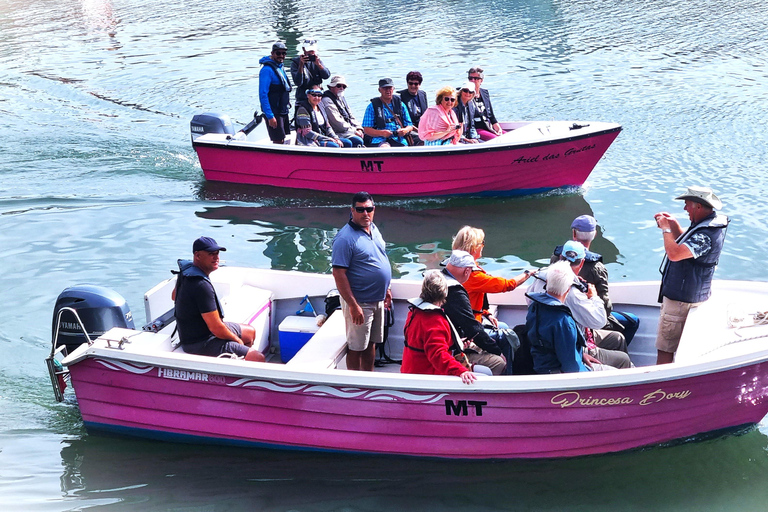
<point>703,195</point>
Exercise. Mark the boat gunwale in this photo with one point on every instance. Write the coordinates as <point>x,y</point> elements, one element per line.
<point>512,384</point>
<point>422,151</point>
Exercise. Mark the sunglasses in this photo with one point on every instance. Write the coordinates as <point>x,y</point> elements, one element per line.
<point>414,83</point>
<point>474,78</point>
<point>448,98</point>
<point>361,209</point>
<point>281,53</point>
<point>341,86</point>
<point>316,94</point>
<point>466,90</point>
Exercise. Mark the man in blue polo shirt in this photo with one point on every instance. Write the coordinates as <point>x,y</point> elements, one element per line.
<point>362,272</point>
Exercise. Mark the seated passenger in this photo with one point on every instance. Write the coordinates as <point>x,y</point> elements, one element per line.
<point>431,345</point>
<point>338,113</point>
<point>465,112</point>
<point>557,345</point>
<point>199,317</point>
<point>588,311</point>
<point>485,121</point>
<point>414,99</point>
<point>320,132</point>
<point>386,123</point>
<point>584,229</point>
<point>480,284</point>
<point>439,124</point>
<point>480,348</point>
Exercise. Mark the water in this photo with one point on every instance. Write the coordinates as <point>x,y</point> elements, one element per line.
<point>98,183</point>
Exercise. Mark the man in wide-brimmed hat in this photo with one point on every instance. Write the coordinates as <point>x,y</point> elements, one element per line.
<point>689,264</point>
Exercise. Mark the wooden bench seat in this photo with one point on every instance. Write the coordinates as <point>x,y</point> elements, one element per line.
<point>326,347</point>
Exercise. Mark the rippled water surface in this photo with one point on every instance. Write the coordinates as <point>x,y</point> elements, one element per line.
<point>99,183</point>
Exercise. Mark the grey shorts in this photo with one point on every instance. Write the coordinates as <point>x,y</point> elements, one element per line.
<point>671,322</point>
<point>370,331</point>
<point>214,346</point>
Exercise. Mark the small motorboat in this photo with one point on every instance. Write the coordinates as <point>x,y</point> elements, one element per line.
<point>531,157</point>
<point>139,382</point>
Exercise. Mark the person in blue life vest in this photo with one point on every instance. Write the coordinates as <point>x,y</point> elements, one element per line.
<point>386,121</point>
<point>689,264</point>
<point>275,93</point>
<point>199,316</point>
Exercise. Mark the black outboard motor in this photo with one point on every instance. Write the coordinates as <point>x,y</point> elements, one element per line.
<point>99,308</point>
<point>210,122</point>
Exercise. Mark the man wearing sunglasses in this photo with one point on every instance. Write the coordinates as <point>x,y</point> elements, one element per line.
<point>362,273</point>
<point>339,114</point>
<point>275,93</point>
<point>414,99</point>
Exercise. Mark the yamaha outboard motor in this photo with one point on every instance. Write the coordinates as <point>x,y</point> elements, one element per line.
<point>210,122</point>
<point>99,308</point>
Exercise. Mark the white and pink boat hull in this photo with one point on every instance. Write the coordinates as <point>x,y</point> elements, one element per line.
<point>137,383</point>
<point>532,158</point>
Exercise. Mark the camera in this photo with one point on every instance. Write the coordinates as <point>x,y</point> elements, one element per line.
<point>311,58</point>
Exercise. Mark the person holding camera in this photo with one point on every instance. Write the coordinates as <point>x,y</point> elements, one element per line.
<point>465,112</point>
<point>439,124</point>
<point>307,69</point>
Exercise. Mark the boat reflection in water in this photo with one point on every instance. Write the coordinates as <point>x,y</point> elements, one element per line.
<point>298,228</point>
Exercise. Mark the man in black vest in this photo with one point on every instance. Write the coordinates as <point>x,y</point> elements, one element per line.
<point>386,122</point>
<point>688,266</point>
<point>414,99</point>
<point>199,317</point>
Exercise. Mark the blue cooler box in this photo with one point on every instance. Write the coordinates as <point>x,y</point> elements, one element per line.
<point>295,332</point>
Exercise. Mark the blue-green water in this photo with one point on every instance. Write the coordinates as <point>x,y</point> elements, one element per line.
<point>98,183</point>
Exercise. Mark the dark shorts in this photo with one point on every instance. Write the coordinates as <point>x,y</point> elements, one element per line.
<point>215,346</point>
<point>281,131</point>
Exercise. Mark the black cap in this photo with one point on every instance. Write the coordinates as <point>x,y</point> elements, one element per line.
<point>386,82</point>
<point>279,46</point>
<point>206,243</point>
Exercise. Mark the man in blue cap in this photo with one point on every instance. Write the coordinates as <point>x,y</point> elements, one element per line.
<point>386,123</point>
<point>584,230</point>
<point>199,316</point>
<point>275,93</point>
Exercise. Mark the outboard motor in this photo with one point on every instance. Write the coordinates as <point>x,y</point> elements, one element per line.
<point>210,122</point>
<point>99,308</point>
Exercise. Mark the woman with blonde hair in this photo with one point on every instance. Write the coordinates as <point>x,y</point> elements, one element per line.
<point>480,283</point>
<point>439,124</point>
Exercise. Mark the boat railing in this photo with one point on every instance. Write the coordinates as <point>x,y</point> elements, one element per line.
<point>60,375</point>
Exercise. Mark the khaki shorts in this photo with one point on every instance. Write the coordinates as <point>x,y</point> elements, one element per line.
<point>671,322</point>
<point>370,331</point>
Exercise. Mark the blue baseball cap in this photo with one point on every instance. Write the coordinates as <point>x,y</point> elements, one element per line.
<point>584,223</point>
<point>206,243</point>
<point>573,251</point>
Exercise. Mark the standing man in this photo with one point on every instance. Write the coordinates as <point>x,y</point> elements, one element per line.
<point>275,93</point>
<point>362,272</point>
<point>385,121</point>
<point>307,69</point>
<point>199,316</point>
<point>689,264</point>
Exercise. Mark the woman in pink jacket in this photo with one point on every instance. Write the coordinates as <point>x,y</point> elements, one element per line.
<point>439,124</point>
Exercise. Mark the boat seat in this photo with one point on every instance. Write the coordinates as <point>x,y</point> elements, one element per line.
<point>325,348</point>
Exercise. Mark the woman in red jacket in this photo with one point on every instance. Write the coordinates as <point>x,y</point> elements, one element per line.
<point>429,336</point>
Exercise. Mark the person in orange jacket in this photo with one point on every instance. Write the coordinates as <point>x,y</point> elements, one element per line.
<point>480,283</point>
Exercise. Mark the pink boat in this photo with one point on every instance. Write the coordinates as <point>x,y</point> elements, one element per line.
<point>138,383</point>
<point>531,157</point>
